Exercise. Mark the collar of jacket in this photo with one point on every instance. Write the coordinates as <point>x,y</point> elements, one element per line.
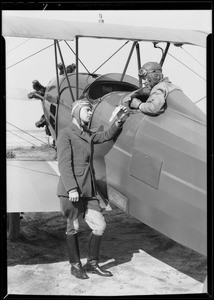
<point>80,133</point>
<point>165,79</point>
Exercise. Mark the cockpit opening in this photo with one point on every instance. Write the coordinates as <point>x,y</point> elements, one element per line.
<point>99,89</point>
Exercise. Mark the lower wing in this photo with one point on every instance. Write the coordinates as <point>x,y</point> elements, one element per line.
<point>31,186</point>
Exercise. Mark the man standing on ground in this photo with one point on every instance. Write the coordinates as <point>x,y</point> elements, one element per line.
<point>77,185</point>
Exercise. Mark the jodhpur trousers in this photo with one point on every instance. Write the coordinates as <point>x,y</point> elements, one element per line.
<point>91,211</point>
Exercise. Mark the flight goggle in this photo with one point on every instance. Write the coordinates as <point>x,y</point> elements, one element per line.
<point>143,72</point>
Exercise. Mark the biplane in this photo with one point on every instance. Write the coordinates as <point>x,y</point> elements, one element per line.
<point>156,168</point>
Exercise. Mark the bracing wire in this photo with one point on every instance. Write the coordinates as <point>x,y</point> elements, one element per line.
<point>111,56</point>
<point>78,58</point>
<point>186,66</point>
<point>25,40</point>
<point>29,56</point>
<point>18,46</point>
<point>192,70</point>
<point>21,137</point>
<point>193,57</point>
<point>103,62</point>
<point>200,100</point>
<point>27,133</point>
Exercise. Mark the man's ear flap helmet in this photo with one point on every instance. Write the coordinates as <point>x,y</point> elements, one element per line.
<point>152,68</point>
<point>76,107</point>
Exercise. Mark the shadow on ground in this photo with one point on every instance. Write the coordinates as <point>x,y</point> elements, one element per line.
<point>42,241</point>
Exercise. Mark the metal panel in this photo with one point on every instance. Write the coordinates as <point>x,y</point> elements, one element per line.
<point>118,199</point>
<point>146,168</point>
<point>179,142</point>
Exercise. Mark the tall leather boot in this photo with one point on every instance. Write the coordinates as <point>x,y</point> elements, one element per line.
<point>93,255</point>
<point>74,257</point>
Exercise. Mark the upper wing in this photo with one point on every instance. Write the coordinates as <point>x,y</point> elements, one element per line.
<point>68,30</point>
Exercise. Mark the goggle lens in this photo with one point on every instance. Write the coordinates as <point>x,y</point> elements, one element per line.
<point>143,73</point>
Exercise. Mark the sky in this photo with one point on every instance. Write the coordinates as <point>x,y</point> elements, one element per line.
<point>24,113</point>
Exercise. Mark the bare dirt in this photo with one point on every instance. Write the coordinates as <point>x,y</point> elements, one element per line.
<point>143,261</point>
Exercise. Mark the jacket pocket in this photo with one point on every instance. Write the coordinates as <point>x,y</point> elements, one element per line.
<point>79,171</point>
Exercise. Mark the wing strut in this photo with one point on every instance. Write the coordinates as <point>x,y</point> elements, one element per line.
<point>58,98</point>
<point>164,53</point>
<point>139,63</point>
<point>66,74</point>
<point>78,58</point>
<point>77,68</point>
<point>128,60</point>
<point>56,45</point>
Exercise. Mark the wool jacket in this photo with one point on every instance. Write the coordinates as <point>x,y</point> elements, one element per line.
<point>75,158</point>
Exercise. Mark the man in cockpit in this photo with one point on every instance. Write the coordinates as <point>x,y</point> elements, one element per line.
<point>159,86</point>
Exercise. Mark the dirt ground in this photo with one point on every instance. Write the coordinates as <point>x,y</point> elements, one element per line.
<point>143,261</point>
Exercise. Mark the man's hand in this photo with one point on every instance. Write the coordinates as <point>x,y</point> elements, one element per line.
<point>118,112</point>
<point>73,195</point>
<point>135,103</point>
<point>122,115</point>
<point>122,112</point>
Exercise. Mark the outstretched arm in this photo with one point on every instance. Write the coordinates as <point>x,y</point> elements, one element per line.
<point>121,115</point>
